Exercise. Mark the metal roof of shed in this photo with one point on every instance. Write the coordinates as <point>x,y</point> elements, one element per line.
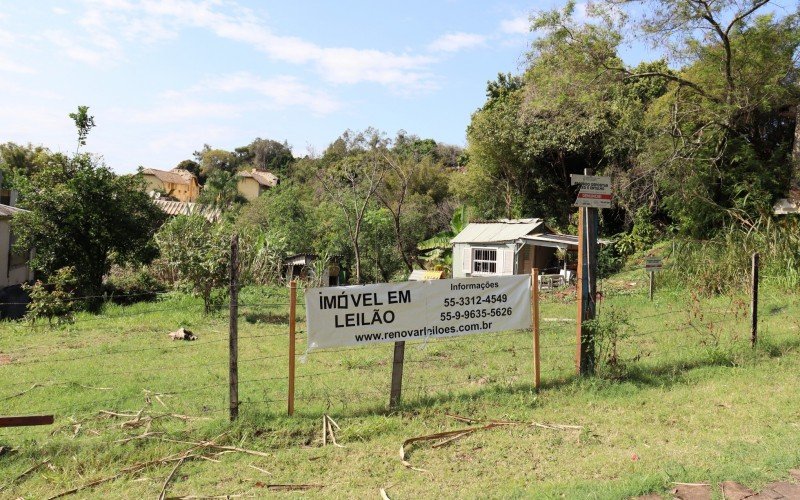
<point>504,230</point>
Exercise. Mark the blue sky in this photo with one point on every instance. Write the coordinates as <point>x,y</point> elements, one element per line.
<point>163,77</point>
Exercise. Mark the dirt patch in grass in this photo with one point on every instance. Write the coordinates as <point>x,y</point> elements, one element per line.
<point>5,359</point>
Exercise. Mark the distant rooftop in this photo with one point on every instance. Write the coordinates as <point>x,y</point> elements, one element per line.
<point>264,178</point>
<point>174,176</point>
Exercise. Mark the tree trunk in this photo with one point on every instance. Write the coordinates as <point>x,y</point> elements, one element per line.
<point>796,148</point>
<point>357,252</point>
<point>399,239</point>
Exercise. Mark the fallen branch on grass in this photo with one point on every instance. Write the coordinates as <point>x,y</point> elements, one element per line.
<point>34,386</point>
<point>293,487</point>
<point>33,468</point>
<point>163,493</point>
<point>181,457</point>
<point>447,437</point>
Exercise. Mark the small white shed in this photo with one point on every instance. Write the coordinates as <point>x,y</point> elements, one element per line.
<point>509,246</point>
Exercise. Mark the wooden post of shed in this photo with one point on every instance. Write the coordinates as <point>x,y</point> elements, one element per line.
<point>292,341</point>
<point>535,320</point>
<point>754,302</point>
<point>233,330</point>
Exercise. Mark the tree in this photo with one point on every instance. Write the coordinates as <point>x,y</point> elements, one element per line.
<point>220,190</point>
<point>413,186</point>
<point>437,250</point>
<point>82,215</point>
<point>84,123</point>
<point>730,116</point>
<point>271,156</point>
<point>355,168</point>
<point>196,256</point>
<point>212,160</point>
<point>285,213</point>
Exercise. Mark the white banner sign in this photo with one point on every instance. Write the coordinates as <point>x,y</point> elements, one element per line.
<point>416,310</point>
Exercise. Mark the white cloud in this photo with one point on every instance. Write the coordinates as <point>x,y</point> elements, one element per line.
<point>158,19</point>
<point>517,26</point>
<point>10,66</point>
<point>282,91</point>
<point>60,11</point>
<point>183,109</point>
<point>453,42</point>
<point>105,49</point>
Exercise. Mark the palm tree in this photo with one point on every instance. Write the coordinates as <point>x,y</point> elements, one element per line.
<point>437,252</point>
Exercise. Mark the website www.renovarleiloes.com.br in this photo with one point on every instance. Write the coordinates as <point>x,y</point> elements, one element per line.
<point>429,331</point>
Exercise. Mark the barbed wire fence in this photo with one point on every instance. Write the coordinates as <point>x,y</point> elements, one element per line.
<point>135,366</point>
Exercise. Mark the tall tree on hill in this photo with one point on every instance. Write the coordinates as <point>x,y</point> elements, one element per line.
<point>730,115</point>
<point>354,169</point>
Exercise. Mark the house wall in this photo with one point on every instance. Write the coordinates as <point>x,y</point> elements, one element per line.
<point>5,241</point>
<point>249,188</point>
<point>181,192</point>
<point>462,258</point>
<point>153,183</point>
<point>18,274</point>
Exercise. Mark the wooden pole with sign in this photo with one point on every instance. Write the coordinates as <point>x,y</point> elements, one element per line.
<point>537,372</point>
<point>587,286</point>
<point>652,279</point>
<point>292,342</point>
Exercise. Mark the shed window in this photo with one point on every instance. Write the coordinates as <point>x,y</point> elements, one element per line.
<point>484,260</point>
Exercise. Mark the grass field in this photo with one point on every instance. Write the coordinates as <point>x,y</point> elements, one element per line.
<point>689,401</point>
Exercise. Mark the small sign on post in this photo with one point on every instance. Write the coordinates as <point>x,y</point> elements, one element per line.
<point>651,265</point>
<point>595,191</point>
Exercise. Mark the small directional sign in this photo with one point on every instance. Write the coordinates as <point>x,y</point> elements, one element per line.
<point>653,264</point>
<point>595,191</point>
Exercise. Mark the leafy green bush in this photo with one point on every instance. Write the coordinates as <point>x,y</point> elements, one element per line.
<point>131,284</point>
<point>53,301</point>
<point>195,256</point>
<point>608,330</point>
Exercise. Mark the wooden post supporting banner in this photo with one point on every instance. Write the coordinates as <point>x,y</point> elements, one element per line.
<point>25,421</point>
<point>587,286</point>
<point>233,330</point>
<point>292,341</point>
<point>397,374</point>
<point>754,302</point>
<point>652,280</point>
<point>537,371</point>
